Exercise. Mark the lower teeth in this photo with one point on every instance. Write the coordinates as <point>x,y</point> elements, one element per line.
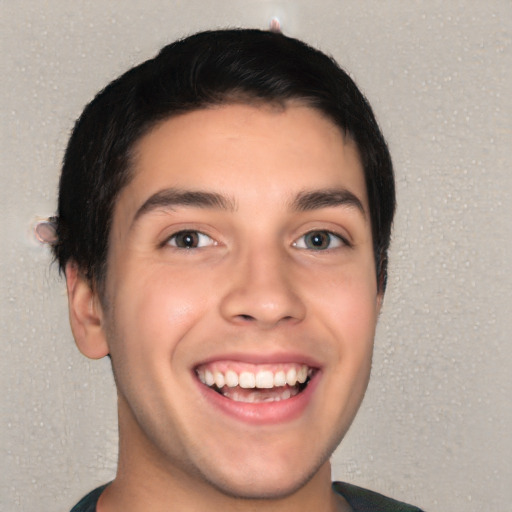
<point>261,395</point>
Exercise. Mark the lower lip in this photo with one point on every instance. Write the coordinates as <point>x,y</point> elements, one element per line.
<point>262,413</point>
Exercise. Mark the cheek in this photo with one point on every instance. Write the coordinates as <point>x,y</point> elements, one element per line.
<point>156,309</point>
<point>347,306</point>
<point>349,298</point>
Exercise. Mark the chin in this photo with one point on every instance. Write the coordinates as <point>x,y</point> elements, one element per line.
<point>266,483</point>
<point>260,488</point>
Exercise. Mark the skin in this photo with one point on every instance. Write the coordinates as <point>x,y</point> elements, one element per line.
<point>253,288</point>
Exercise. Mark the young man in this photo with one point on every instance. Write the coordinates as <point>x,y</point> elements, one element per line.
<point>224,218</point>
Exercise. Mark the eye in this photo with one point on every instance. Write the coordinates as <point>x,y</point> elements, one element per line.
<point>190,239</point>
<point>319,241</point>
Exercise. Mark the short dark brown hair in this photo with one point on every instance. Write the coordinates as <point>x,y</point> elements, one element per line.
<point>205,69</point>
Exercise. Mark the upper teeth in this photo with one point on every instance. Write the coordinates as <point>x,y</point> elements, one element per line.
<point>263,379</point>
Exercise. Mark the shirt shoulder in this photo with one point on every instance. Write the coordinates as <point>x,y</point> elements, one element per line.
<point>88,502</point>
<point>364,500</point>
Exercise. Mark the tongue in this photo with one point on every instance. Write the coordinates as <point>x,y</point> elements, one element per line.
<point>239,394</point>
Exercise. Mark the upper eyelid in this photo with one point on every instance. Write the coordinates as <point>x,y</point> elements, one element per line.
<point>173,230</point>
<point>338,232</point>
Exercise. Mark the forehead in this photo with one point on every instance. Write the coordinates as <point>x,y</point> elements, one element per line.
<point>245,152</point>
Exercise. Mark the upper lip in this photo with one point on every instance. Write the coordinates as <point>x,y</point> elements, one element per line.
<point>257,358</point>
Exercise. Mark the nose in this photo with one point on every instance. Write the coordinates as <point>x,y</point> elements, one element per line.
<point>261,292</point>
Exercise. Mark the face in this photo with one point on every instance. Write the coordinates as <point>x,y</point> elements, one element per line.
<point>241,297</point>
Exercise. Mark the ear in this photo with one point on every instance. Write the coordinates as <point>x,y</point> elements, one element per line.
<point>85,315</point>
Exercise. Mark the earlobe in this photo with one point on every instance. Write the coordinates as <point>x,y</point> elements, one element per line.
<point>85,315</point>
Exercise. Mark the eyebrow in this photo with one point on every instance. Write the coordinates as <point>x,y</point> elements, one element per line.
<point>172,197</point>
<point>317,199</point>
<point>303,201</point>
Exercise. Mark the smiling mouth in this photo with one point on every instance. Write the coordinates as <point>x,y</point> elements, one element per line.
<point>255,383</point>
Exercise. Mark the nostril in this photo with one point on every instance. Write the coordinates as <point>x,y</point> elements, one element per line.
<point>250,318</point>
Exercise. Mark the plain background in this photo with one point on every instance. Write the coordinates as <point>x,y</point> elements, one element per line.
<point>435,426</point>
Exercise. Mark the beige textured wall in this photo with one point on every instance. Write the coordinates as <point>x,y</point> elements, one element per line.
<point>435,426</point>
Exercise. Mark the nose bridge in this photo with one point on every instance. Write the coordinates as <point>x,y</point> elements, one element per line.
<point>261,290</point>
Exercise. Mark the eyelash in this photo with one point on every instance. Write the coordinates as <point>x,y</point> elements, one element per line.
<point>191,233</point>
<point>197,240</point>
<point>331,237</point>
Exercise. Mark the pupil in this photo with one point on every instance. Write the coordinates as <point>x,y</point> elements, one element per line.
<point>318,240</point>
<point>187,239</point>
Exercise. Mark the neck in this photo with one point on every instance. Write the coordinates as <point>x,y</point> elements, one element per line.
<point>146,481</point>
